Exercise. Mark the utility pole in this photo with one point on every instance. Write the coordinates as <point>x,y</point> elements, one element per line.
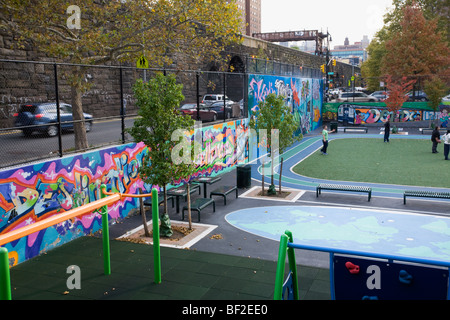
<point>327,61</point>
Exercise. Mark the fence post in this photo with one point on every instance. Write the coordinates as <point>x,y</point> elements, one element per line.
<point>197,81</point>
<point>224,100</point>
<point>122,106</point>
<point>155,222</point>
<point>58,111</point>
<point>5,281</point>
<point>105,234</point>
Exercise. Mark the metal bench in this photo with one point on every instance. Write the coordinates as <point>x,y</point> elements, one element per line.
<point>198,205</point>
<point>356,129</point>
<point>425,194</point>
<point>224,191</point>
<point>430,130</point>
<point>339,187</point>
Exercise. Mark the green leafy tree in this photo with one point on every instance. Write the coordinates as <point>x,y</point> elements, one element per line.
<point>98,32</point>
<point>184,156</point>
<point>371,68</point>
<point>435,89</point>
<point>158,100</point>
<point>274,114</point>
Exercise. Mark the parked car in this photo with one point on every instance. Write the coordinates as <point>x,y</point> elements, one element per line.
<point>232,109</point>
<point>209,99</point>
<point>355,96</point>
<point>334,93</point>
<point>206,114</point>
<point>381,95</point>
<point>418,96</point>
<point>43,118</point>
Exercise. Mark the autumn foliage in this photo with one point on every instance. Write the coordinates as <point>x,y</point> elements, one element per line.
<point>398,89</point>
<point>418,49</point>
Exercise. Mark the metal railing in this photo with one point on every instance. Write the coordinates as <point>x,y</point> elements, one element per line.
<point>107,198</point>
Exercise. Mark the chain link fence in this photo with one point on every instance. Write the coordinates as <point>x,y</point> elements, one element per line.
<point>33,128</point>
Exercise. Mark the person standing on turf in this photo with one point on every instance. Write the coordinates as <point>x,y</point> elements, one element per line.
<point>446,139</point>
<point>435,138</point>
<point>387,130</point>
<point>325,139</point>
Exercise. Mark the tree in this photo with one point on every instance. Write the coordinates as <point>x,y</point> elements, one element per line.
<point>158,100</point>
<point>274,114</point>
<point>371,68</point>
<point>418,49</point>
<point>398,89</point>
<point>98,32</point>
<point>435,89</point>
<point>432,9</point>
<point>184,155</point>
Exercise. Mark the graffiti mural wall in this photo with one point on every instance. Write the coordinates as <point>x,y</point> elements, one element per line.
<point>34,192</point>
<point>353,113</point>
<point>302,95</point>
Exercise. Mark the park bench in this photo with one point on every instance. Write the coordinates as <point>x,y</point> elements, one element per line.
<point>224,191</point>
<point>148,201</point>
<point>198,205</point>
<point>356,129</point>
<point>430,130</point>
<point>425,194</point>
<point>339,187</point>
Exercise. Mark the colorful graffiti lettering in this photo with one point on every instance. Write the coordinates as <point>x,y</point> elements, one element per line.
<point>303,96</point>
<point>34,192</point>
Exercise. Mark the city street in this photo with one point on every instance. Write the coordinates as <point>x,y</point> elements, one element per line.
<point>19,149</point>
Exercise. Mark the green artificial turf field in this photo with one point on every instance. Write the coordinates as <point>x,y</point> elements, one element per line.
<point>401,162</point>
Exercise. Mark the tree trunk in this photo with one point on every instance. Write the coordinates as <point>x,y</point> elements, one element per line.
<point>262,189</point>
<point>165,226</point>
<point>281,171</point>
<point>144,219</point>
<point>81,142</point>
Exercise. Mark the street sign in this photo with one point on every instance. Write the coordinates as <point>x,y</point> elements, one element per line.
<point>330,73</point>
<point>142,63</point>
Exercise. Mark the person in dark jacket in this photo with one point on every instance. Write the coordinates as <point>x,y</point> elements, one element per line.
<point>387,130</point>
<point>435,138</point>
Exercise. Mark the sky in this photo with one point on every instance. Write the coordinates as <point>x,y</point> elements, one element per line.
<point>342,18</point>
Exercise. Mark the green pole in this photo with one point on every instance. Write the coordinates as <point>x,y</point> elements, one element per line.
<point>279,276</point>
<point>105,235</point>
<point>5,281</point>
<point>155,222</point>
<point>292,264</point>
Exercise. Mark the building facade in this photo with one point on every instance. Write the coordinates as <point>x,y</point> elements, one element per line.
<point>251,16</point>
<point>354,54</point>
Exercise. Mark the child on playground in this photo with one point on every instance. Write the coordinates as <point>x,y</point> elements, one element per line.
<point>446,139</point>
<point>325,139</point>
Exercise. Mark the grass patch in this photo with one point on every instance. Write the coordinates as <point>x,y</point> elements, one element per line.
<point>401,161</point>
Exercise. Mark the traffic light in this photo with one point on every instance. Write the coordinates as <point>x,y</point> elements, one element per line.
<point>334,62</point>
<point>322,68</point>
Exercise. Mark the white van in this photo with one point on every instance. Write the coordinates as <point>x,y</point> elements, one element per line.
<point>209,99</point>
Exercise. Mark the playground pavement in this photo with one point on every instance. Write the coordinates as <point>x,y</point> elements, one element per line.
<point>232,265</point>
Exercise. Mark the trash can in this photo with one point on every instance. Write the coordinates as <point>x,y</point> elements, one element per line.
<point>334,126</point>
<point>243,176</point>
